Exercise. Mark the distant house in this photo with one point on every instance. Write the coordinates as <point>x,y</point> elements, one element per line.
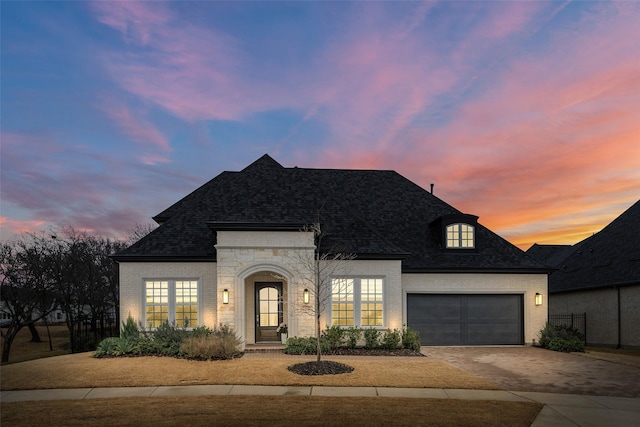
<point>600,276</point>
<point>229,253</point>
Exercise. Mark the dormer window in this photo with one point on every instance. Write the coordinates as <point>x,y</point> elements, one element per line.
<point>460,236</point>
<point>458,232</point>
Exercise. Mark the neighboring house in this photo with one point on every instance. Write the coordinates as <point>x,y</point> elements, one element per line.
<point>600,276</point>
<point>230,252</point>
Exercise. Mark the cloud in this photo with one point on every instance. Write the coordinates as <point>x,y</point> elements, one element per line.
<point>138,128</point>
<point>548,133</point>
<point>194,73</point>
<point>46,183</point>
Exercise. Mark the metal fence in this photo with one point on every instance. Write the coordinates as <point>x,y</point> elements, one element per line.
<point>577,321</point>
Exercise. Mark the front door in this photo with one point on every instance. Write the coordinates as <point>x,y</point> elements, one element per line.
<point>268,310</point>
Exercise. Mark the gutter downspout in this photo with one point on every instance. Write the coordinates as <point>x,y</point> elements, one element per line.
<point>619,321</point>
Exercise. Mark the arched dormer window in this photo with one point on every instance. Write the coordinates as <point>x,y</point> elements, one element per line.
<point>460,236</point>
<point>458,232</point>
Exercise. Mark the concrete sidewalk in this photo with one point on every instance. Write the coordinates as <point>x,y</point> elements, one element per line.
<point>560,409</point>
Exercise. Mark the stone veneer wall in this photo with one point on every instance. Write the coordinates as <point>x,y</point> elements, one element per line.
<point>535,317</point>
<point>242,254</point>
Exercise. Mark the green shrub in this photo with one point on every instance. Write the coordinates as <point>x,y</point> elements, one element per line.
<point>124,347</point>
<point>305,345</point>
<point>561,338</point>
<point>200,331</point>
<point>353,336</point>
<point>333,336</point>
<point>146,346</point>
<point>106,347</point>
<point>566,344</point>
<point>391,339</point>
<point>371,338</point>
<point>130,329</point>
<point>410,339</point>
<point>167,339</point>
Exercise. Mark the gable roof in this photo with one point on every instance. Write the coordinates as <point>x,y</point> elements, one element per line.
<point>375,214</point>
<point>610,257</point>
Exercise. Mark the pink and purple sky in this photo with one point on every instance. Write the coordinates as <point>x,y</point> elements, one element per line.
<point>526,113</point>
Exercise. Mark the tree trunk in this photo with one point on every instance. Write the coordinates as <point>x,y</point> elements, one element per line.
<point>46,323</point>
<point>35,336</point>
<point>7,341</point>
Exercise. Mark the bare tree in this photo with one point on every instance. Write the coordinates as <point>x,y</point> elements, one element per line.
<point>139,231</point>
<point>317,273</point>
<point>27,288</point>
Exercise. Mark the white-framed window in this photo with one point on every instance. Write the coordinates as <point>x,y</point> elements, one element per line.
<point>357,301</point>
<point>460,236</point>
<point>174,301</point>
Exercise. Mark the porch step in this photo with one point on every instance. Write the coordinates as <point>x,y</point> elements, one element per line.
<point>264,348</point>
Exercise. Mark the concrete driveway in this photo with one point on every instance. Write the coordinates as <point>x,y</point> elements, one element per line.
<point>538,370</point>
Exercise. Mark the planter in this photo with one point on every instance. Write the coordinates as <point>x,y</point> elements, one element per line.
<point>283,338</point>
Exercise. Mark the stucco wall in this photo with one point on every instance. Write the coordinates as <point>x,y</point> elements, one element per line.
<point>528,285</point>
<point>601,307</point>
<point>133,274</point>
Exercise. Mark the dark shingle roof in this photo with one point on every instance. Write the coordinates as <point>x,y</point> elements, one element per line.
<point>608,258</point>
<point>551,255</point>
<point>372,213</point>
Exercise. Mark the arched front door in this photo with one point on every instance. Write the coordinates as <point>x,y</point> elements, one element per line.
<point>268,310</point>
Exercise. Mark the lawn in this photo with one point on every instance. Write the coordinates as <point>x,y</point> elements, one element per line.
<point>82,370</point>
<point>23,349</point>
<point>269,410</point>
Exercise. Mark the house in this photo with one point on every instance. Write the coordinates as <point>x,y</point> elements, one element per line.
<point>600,276</point>
<point>230,252</point>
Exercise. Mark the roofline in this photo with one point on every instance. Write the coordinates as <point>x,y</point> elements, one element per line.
<point>590,288</point>
<point>475,270</point>
<point>177,258</point>
<point>255,226</point>
<point>161,258</point>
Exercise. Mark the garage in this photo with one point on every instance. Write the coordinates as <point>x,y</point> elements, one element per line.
<point>474,319</point>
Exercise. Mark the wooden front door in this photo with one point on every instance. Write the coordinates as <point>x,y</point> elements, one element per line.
<point>268,310</point>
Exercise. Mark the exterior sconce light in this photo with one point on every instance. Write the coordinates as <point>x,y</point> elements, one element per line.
<point>305,296</point>
<point>225,296</point>
<point>538,298</point>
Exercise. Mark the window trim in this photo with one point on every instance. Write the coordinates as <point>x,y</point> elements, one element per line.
<point>445,221</point>
<point>171,299</point>
<point>357,301</point>
<point>460,232</point>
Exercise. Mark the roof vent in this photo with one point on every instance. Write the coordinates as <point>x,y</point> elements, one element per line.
<point>432,185</point>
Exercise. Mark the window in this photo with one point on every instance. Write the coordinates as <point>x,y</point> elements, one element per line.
<point>371,297</point>
<point>357,302</point>
<point>460,236</point>
<point>172,301</point>
<point>342,309</point>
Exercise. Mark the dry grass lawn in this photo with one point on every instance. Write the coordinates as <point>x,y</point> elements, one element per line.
<point>82,370</point>
<point>268,410</point>
<point>23,349</point>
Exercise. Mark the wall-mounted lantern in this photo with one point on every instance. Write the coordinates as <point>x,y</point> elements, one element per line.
<point>225,296</point>
<point>305,296</point>
<point>538,298</point>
